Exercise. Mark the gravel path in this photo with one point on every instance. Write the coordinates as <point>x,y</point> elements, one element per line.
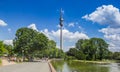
<point>27,67</point>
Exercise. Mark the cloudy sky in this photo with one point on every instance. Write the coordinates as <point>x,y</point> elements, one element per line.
<point>83,19</point>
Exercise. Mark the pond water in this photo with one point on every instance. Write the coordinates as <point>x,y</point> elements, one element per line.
<point>73,66</point>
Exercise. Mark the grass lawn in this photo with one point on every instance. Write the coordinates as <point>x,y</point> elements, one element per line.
<point>99,62</point>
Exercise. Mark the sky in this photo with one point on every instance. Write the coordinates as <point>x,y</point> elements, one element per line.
<point>83,19</point>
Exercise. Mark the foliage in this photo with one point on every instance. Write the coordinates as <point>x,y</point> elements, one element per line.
<point>2,48</point>
<point>72,52</point>
<point>69,58</point>
<point>55,63</point>
<point>52,53</point>
<point>116,56</point>
<point>28,41</point>
<point>51,44</point>
<point>9,50</point>
<point>109,55</point>
<point>89,49</point>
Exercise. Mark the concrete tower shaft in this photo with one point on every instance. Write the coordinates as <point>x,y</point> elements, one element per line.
<point>61,27</point>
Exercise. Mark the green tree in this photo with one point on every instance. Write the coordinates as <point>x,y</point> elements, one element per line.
<point>83,45</point>
<point>102,48</point>
<point>61,53</point>
<point>99,48</point>
<point>109,55</point>
<point>53,51</point>
<point>92,49</point>
<point>28,41</point>
<point>79,44</point>
<point>9,50</point>
<point>2,49</point>
<point>72,52</point>
<point>51,44</point>
<point>116,55</point>
<point>50,51</point>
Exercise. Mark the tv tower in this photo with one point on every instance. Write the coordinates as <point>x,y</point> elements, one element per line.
<point>61,27</point>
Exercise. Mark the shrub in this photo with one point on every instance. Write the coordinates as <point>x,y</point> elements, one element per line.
<point>70,58</point>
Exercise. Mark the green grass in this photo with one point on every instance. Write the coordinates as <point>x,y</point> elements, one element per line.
<point>99,62</point>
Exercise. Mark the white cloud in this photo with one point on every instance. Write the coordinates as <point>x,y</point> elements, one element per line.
<point>8,42</point>
<point>110,15</point>
<point>113,37</point>
<point>47,33</point>
<point>114,46</point>
<point>111,33</point>
<point>33,26</point>
<point>2,23</point>
<point>70,38</point>
<point>72,24</point>
<point>106,14</point>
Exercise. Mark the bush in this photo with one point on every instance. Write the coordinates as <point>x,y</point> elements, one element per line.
<point>80,56</point>
<point>70,58</point>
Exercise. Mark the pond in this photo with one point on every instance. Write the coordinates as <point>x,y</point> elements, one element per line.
<point>74,66</point>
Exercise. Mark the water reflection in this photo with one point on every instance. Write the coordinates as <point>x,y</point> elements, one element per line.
<point>114,67</point>
<point>71,66</point>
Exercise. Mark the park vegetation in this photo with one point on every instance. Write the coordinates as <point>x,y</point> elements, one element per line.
<point>29,44</point>
<point>92,49</point>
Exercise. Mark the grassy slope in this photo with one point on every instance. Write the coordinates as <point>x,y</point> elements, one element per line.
<point>100,62</point>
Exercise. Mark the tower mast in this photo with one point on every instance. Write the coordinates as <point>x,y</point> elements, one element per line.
<point>61,26</point>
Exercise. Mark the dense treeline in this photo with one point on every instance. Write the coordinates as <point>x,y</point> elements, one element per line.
<point>6,49</point>
<point>27,41</point>
<point>92,49</point>
<point>29,44</point>
<point>2,49</point>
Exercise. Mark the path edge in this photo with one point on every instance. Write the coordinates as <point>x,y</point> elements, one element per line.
<point>52,69</point>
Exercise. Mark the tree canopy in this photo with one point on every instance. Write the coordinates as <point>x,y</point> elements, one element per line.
<point>27,41</point>
<point>1,48</point>
<point>90,49</point>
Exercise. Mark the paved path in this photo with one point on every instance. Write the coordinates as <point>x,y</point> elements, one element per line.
<point>27,67</point>
<point>5,62</point>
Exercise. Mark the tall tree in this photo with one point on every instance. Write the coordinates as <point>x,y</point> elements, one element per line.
<point>9,50</point>
<point>72,52</point>
<point>1,48</point>
<point>116,55</point>
<point>79,44</point>
<point>94,48</point>
<point>51,44</point>
<point>27,41</point>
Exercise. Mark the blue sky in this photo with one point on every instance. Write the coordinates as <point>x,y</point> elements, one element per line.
<point>80,20</point>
